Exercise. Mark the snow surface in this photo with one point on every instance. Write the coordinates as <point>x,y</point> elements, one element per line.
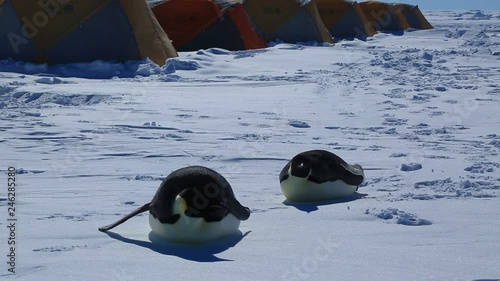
<point>419,112</point>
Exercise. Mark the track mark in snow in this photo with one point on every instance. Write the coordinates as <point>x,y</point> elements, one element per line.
<point>49,138</point>
<point>246,137</point>
<point>144,178</point>
<point>82,217</point>
<point>22,271</point>
<point>259,210</point>
<point>397,216</point>
<point>299,124</point>
<point>58,249</point>
<point>42,134</point>
<point>240,159</point>
<point>146,127</point>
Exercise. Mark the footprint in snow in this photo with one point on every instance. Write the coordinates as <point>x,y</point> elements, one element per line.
<point>392,121</point>
<point>481,168</point>
<point>58,249</point>
<point>397,216</point>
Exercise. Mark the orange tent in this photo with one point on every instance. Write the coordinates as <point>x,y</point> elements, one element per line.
<point>202,24</point>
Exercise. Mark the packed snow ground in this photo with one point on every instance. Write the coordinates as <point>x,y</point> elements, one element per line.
<point>419,112</point>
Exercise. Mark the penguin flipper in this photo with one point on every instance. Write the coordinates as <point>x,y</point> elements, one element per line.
<point>284,172</point>
<point>352,174</point>
<point>139,210</point>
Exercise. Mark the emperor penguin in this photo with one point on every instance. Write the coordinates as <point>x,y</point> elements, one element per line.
<point>194,204</point>
<point>319,175</point>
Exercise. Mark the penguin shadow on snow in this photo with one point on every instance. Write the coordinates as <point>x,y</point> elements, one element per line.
<point>309,207</point>
<point>194,252</point>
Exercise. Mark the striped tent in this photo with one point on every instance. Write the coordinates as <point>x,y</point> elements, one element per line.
<point>71,31</point>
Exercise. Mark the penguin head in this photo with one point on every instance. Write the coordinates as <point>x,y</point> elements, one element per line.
<point>300,167</point>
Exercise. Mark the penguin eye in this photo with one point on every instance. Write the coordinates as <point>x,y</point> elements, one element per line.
<point>301,164</point>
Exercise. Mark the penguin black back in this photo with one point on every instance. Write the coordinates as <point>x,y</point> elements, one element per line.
<point>321,166</point>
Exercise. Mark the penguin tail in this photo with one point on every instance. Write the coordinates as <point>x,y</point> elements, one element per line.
<point>139,210</point>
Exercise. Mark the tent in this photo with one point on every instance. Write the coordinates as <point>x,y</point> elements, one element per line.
<point>344,19</point>
<point>414,16</point>
<point>291,21</point>
<point>384,16</point>
<point>70,31</point>
<point>203,24</point>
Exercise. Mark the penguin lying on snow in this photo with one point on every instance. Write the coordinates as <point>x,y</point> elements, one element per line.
<point>192,205</point>
<point>319,175</point>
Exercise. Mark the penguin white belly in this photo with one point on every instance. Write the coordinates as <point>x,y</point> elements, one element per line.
<point>301,190</point>
<point>193,230</point>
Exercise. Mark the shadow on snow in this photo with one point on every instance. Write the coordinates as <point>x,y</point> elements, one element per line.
<point>309,207</point>
<point>194,252</point>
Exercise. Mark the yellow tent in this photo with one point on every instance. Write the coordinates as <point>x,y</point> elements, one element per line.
<point>414,16</point>
<point>287,20</point>
<point>384,16</point>
<point>344,19</point>
<point>80,31</point>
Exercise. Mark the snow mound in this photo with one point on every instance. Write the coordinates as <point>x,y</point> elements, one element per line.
<point>21,99</point>
<point>96,69</point>
<point>410,167</point>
